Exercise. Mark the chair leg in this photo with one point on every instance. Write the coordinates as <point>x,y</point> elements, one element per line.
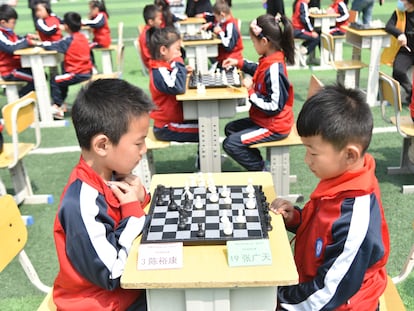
<point>408,267</point>
<point>12,93</point>
<point>31,272</point>
<point>404,161</point>
<point>106,62</point>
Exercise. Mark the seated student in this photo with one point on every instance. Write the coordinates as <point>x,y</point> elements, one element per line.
<point>47,23</point>
<point>339,7</point>
<point>197,8</point>
<point>77,65</point>
<point>270,92</point>
<point>98,21</point>
<point>227,30</point>
<point>303,29</point>
<point>168,18</point>
<point>153,18</point>
<point>101,210</point>
<point>10,67</point>
<point>342,241</point>
<point>168,76</point>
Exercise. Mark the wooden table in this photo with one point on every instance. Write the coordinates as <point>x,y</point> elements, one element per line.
<point>191,24</point>
<point>206,282</point>
<point>324,22</point>
<point>38,58</point>
<point>207,109</point>
<point>198,52</point>
<point>374,40</point>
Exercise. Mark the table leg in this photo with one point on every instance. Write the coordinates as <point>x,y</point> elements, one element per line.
<point>201,58</point>
<point>209,145</point>
<point>106,61</point>
<point>373,70</point>
<point>356,55</point>
<point>338,49</point>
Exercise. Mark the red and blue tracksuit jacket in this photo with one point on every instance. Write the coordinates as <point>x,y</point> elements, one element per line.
<point>341,247</point>
<point>166,81</point>
<point>10,42</point>
<point>48,28</point>
<point>272,95</point>
<point>143,41</point>
<point>93,236</point>
<point>300,17</point>
<point>339,6</point>
<point>77,53</point>
<point>101,31</point>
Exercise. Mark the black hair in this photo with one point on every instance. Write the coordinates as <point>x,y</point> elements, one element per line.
<point>339,115</point>
<point>279,32</point>
<point>106,106</point>
<point>221,6</point>
<point>100,4</point>
<point>7,12</point>
<point>46,5</point>
<point>73,20</point>
<point>150,12</point>
<point>166,11</point>
<point>162,37</point>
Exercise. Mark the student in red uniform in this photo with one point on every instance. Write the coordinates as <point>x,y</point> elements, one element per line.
<point>98,21</point>
<point>342,241</point>
<point>10,67</point>
<point>270,92</point>
<point>339,7</point>
<point>101,209</point>
<point>153,18</point>
<point>303,29</point>
<point>77,65</point>
<point>167,79</point>
<point>47,23</point>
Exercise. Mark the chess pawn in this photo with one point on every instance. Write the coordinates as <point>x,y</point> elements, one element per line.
<point>225,192</point>
<point>228,229</point>
<point>198,204</point>
<point>224,218</point>
<point>251,203</point>
<point>240,218</point>
<point>201,232</point>
<point>214,197</point>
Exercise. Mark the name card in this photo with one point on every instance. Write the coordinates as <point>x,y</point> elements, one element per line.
<point>249,253</point>
<point>160,256</point>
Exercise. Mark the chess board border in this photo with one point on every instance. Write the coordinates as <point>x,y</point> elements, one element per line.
<point>193,85</point>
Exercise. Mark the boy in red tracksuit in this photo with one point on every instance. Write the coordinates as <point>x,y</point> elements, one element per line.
<point>77,64</point>
<point>227,30</point>
<point>47,23</point>
<point>339,7</point>
<point>168,76</point>
<point>99,23</point>
<point>10,67</point>
<point>342,241</point>
<point>153,18</point>
<point>101,209</point>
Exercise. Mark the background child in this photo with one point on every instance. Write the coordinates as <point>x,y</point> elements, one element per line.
<point>153,18</point>
<point>101,214</point>
<point>77,65</point>
<point>342,242</point>
<point>339,7</point>
<point>270,92</point>
<point>197,8</point>
<point>168,76</point>
<point>168,18</point>
<point>47,23</point>
<point>227,30</point>
<point>303,29</point>
<point>10,67</point>
<point>98,21</point>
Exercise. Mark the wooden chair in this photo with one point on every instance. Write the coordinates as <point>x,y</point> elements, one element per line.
<point>19,116</point>
<point>12,89</point>
<point>390,300</point>
<point>353,16</point>
<point>144,69</point>
<point>389,92</point>
<point>347,71</point>
<point>407,268</point>
<point>13,234</point>
<point>145,169</point>
<point>47,303</point>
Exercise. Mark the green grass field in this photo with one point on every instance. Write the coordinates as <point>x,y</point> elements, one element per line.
<point>50,172</point>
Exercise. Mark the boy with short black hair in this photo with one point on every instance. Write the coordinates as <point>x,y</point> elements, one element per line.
<point>77,64</point>
<point>342,241</point>
<point>101,210</point>
<point>10,67</point>
<point>153,18</point>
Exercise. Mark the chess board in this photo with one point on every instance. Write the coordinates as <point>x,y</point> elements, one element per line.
<point>164,224</point>
<point>197,36</point>
<point>214,80</point>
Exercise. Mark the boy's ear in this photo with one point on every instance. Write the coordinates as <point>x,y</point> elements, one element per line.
<point>163,50</point>
<point>353,154</point>
<point>100,144</point>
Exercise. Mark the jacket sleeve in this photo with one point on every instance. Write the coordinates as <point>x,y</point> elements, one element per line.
<point>61,46</point>
<point>43,28</point>
<point>356,245</point>
<point>247,66</point>
<point>343,13</point>
<point>229,37</point>
<point>95,245</point>
<point>9,46</point>
<point>277,89</point>
<point>170,81</point>
<point>304,17</point>
<point>97,22</point>
<point>390,26</point>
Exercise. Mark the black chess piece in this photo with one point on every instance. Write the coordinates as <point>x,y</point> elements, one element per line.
<point>182,223</point>
<point>172,206</point>
<point>268,219</point>
<point>187,204</point>
<point>201,232</point>
<point>160,195</point>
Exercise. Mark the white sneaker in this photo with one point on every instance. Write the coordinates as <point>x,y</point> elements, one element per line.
<point>57,112</point>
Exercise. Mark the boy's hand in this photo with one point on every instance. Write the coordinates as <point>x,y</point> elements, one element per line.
<point>217,30</point>
<point>284,208</point>
<point>402,39</point>
<point>128,189</point>
<point>189,69</point>
<point>229,62</point>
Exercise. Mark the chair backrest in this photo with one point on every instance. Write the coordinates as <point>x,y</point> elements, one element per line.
<point>144,69</point>
<point>120,48</point>
<point>314,86</point>
<point>18,116</point>
<point>353,16</point>
<point>13,231</point>
<point>327,42</point>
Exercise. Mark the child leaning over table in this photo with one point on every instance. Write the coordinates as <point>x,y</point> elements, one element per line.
<point>101,209</point>
<point>339,7</point>
<point>270,92</point>
<point>10,67</point>
<point>342,242</point>
<point>47,23</point>
<point>77,65</point>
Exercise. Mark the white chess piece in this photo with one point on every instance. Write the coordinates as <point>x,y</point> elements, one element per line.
<point>225,192</point>
<point>251,203</point>
<point>188,192</point>
<point>214,197</point>
<point>240,218</point>
<point>198,203</point>
<point>250,188</point>
<point>224,218</point>
<point>227,199</point>
<point>228,229</point>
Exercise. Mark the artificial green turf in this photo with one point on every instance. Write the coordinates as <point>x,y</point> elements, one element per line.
<point>50,172</point>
